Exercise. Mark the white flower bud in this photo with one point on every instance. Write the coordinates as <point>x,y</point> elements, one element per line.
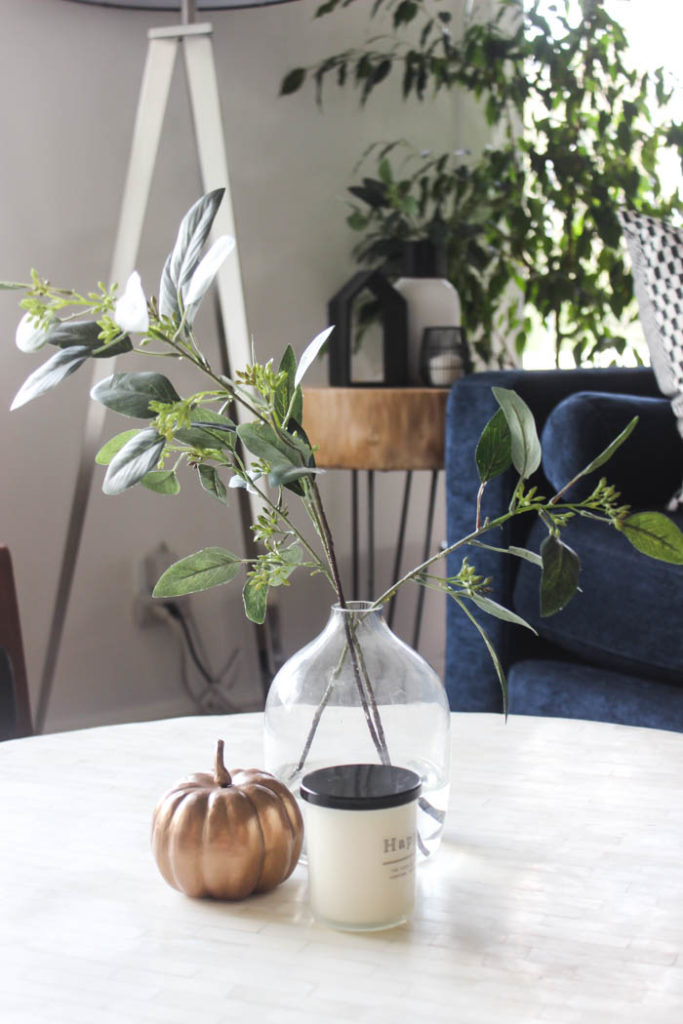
<point>29,336</point>
<point>130,312</point>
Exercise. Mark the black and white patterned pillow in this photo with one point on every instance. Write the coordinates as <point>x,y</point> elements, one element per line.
<point>656,251</point>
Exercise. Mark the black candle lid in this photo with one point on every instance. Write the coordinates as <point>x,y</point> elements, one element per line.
<point>360,787</point>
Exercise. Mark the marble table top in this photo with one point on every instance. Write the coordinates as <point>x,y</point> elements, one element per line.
<point>557,895</point>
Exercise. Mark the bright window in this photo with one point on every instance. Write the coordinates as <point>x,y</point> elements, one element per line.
<point>654,29</point>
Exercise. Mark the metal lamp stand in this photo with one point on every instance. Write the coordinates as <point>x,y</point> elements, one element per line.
<point>164,43</point>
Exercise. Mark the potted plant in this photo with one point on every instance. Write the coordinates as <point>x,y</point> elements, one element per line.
<point>438,211</point>
<point>575,133</point>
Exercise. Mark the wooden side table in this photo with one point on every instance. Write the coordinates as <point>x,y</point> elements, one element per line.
<point>379,429</point>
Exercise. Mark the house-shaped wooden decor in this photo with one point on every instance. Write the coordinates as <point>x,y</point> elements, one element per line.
<point>394,314</point>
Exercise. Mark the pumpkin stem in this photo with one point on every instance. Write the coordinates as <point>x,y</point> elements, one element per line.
<point>221,774</point>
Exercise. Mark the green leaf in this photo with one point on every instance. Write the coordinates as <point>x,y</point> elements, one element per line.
<point>609,451</point>
<point>280,476</point>
<point>288,365</point>
<point>491,649</point>
<point>499,611</point>
<point>385,172</point>
<point>162,481</point>
<point>291,557</point>
<point>297,413</point>
<point>405,12</point>
<point>255,598</point>
<point>525,448</point>
<point>208,430</point>
<point>529,556</point>
<point>371,192</point>
<point>204,275</point>
<point>654,534</point>
<point>212,483</point>
<point>289,397</point>
<point>326,8</point>
<point>207,568</point>
<point>114,445</point>
<point>356,221</point>
<point>494,450</point>
<point>131,393</point>
<point>192,235</point>
<point>310,353</point>
<point>283,395</point>
<point>560,575</point>
<point>263,442</point>
<point>133,462</point>
<point>87,333</point>
<point>50,374</point>
<point>292,81</point>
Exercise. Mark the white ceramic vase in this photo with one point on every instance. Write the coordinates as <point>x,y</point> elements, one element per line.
<point>431,299</point>
<point>432,302</point>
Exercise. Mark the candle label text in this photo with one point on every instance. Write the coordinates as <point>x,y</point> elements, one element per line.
<point>399,855</point>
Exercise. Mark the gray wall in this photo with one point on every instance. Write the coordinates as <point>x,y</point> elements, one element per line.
<point>70,77</point>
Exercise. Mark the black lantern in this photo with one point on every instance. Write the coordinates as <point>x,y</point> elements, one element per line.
<point>444,356</point>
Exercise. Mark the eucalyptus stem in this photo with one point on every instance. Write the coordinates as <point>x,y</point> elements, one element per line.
<point>470,538</point>
<point>327,539</point>
<point>419,569</point>
<point>319,710</point>
<point>320,564</point>
<point>480,495</point>
<point>361,679</point>
<point>319,518</point>
<point>358,650</point>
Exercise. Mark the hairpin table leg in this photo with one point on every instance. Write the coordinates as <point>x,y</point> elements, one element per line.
<point>371,535</point>
<point>354,534</point>
<point>425,555</point>
<point>401,541</point>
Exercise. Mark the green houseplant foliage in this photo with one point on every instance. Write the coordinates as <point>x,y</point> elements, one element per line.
<point>268,452</point>
<point>578,133</point>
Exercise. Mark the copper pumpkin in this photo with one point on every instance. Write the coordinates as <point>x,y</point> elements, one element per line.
<point>226,835</point>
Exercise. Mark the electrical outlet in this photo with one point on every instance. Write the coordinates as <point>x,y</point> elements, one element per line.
<point>147,610</point>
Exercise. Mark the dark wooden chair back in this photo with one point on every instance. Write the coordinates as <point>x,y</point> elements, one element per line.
<point>15,711</point>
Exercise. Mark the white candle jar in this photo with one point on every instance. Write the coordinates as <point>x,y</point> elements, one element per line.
<point>361,834</point>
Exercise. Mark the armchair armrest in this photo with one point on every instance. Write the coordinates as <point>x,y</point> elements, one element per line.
<point>471,680</point>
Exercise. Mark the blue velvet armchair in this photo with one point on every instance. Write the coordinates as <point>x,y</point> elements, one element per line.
<point>615,653</point>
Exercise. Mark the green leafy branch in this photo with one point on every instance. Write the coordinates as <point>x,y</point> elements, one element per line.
<point>270,455</point>
<point>510,439</point>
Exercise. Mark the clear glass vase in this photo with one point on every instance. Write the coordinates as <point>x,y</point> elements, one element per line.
<point>358,694</point>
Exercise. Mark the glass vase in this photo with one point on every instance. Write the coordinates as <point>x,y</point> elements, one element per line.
<point>358,694</point>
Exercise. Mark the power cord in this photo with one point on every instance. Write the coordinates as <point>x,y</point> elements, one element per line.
<point>211,699</point>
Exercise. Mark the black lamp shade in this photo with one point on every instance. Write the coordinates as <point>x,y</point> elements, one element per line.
<point>168,5</point>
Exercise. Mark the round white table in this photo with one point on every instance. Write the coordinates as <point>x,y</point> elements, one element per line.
<point>557,895</point>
